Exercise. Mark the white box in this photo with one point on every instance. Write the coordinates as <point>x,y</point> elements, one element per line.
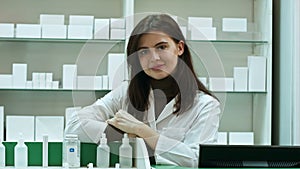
<point>203,80</point>
<point>49,77</point>
<point>200,22</point>
<point>54,31</point>
<point>240,76</point>
<point>52,19</point>
<point>86,82</point>
<point>257,73</point>
<point>117,34</point>
<point>53,126</point>
<point>234,24</point>
<point>2,123</point>
<point>69,76</point>
<point>80,32</point>
<point>42,80</point>
<point>222,138</point>
<point>35,80</point>
<point>55,84</point>
<point>70,112</point>
<point>101,29</point>
<point>19,124</point>
<point>6,81</point>
<point>98,83</point>
<point>19,75</point>
<point>241,138</point>
<point>29,85</point>
<point>118,23</point>
<point>116,69</point>
<point>204,34</point>
<point>28,31</point>
<point>7,30</point>
<point>81,20</point>
<point>105,82</point>
<point>220,84</point>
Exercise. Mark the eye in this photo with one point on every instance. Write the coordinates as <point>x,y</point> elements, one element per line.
<point>143,52</point>
<point>161,47</point>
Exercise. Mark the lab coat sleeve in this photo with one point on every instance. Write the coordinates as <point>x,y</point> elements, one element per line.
<point>186,151</point>
<point>89,122</point>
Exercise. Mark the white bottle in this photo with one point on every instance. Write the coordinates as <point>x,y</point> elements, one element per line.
<point>71,151</point>
<point>125,153</point>
<point>103,153</point>
<point>21,153</point>
<point>2,154</point>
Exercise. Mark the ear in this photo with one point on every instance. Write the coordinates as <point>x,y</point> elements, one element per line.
<point>180,47</point>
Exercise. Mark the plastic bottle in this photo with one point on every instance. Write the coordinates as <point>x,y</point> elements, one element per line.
<point>21,153</point>
<point>103,153</point>
<point>125,153</point>
<point>71,151</point>
<point>2,154</point>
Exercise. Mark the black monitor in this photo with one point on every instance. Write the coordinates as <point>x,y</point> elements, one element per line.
<point>248,156</point>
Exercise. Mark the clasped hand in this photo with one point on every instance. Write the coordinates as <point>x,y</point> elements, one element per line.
<point>125,122</point>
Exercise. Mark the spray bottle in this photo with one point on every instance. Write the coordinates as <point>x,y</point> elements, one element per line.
<point>125,153</point>
<point>21,153</point>
<point>103,153</point>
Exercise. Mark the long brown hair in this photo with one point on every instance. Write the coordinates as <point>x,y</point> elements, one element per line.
<point>185,76</point>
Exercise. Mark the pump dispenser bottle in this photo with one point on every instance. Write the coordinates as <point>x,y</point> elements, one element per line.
<point>2,155</point>
<point>103,153</point>
<point>21,153</point>
<point>125,153</point>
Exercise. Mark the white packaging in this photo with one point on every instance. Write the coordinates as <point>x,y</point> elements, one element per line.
<point>222,138</point>
<point>21,153</point>
<point>6,81</point>
<point>19,124</point>
<point>42,80</point>
<point>234,24</point>
<point>85,82</point>
<point>116,69</point>
<point>69,76</point>
<point>257,73</point>
<point>101,29</point>
<point>241,138</point>
<point>81,20</point>
<point>220,84</point>
<point>125,153</point>
<point>105,82</point>
<point>204,34</point>
<point>28,31</point>
<point>240,76</point>
<point>71,151</point>
<point>19,75</point>
<point>80,32</point>
<point>118,23</point>
<point>203,80</point>
<point>2,123</point>
<point>2,154</point>
<point>49,77</point>
<point>103,153</point>
<point>117,34</point>
<point>53,126</point>
<point>29,85</point>
<point>35,80</point>
<point>54,31</point>
<point>200,22</point>
<point>7,30</point>
<point>55,84</point>
<point>98,83</point>
<point>52,19</point>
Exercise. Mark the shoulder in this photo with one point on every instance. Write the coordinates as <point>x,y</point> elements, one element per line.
<point>204,100</point>
<point>118,93</point>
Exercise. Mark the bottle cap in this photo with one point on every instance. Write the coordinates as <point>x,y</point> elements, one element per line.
<point>125,138</point>
<point>21,138</point>
<point>103,139</point>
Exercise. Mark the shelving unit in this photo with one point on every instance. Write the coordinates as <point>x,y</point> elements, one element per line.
<point>243,111</point>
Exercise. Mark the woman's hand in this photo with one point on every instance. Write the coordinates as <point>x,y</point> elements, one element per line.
<point>125,122</point>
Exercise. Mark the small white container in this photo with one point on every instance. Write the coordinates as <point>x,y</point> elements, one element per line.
<point>125,153</point>
<point>103,153</point>
<point>21,153</point>
<point>2,154</point>
<point>71,151</point>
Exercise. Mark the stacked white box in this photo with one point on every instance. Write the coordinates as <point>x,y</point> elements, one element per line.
<point>35,80</point>
<point>70,112</point>
<point>6,81</point>
<point>241,138</point>
<point>204,33</point>
<point>98,83</point>
<point>53,126</point>
<point>234,24</point>
<point>85,82</point>
<point>55,84</point>
<point>117,34</point>
<point>42,80</point>
<point>257,73</point>
<point>240,76</point>
<point>81,20</point>
<point>101,29</point>
<point>54,31</point>
<point>200,22</point>
<point>28,31</point>
<point>116,69</point>
<point>105,82</point>
<point>49,80</point>
<point>220,84</point>
<point>222,138</point>
<point>29,85</point>
<point>19,124</point>
<point>1,123</point>
<point>117,28</point>
<point>118,23</point>
<point>80,27</point>
<point>19,75</point>
<point>7,30</point>
<point>69,76</point>
<point>52,19</point>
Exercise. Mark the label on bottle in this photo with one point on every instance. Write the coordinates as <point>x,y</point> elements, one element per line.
<point>72,158</point>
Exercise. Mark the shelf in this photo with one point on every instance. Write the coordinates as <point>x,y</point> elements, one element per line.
<point>55,90</point>
<point>229,41</point>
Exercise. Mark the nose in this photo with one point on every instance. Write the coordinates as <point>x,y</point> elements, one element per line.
<point>154,55</point>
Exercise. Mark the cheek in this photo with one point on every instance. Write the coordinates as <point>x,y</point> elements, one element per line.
<point>143,62</point>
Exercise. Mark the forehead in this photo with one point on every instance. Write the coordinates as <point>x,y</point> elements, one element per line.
<point>150,39</point>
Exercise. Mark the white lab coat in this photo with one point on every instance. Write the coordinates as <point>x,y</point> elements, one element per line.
<point>180,136</point>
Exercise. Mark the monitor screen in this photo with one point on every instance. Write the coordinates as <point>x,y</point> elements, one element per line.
<point>248,156</point>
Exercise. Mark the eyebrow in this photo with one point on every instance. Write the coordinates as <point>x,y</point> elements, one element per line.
<point>159,43</point>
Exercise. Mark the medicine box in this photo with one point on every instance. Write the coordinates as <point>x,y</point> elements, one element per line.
<point>200,22</point>
<point>69,76</point>
<point>87,20</point>
<point>52,19</point>
<point>241,138</point>
<point>257,73</point>
<point>54,31</point>
<point>7,30</point>
<point>116,69</point>
<point>240,76</point>
<point>220,84</point>
<point>117,23</point>
<point>117,34</point>
<point>204,33</point>
<point>101,29</point>
<point>19,75</point>
<point>234,24</point>
<point>80,32</point>
<point>53,126</point>
<point>6,81</point>
<point>19,124</point>
<point>28,31</point>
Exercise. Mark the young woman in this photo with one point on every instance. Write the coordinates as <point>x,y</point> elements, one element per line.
<point>164,102</point>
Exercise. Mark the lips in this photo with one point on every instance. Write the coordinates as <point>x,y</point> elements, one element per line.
<point>157,67</point>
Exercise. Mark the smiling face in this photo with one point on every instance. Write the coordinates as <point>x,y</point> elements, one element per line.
<point>158,54</point>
